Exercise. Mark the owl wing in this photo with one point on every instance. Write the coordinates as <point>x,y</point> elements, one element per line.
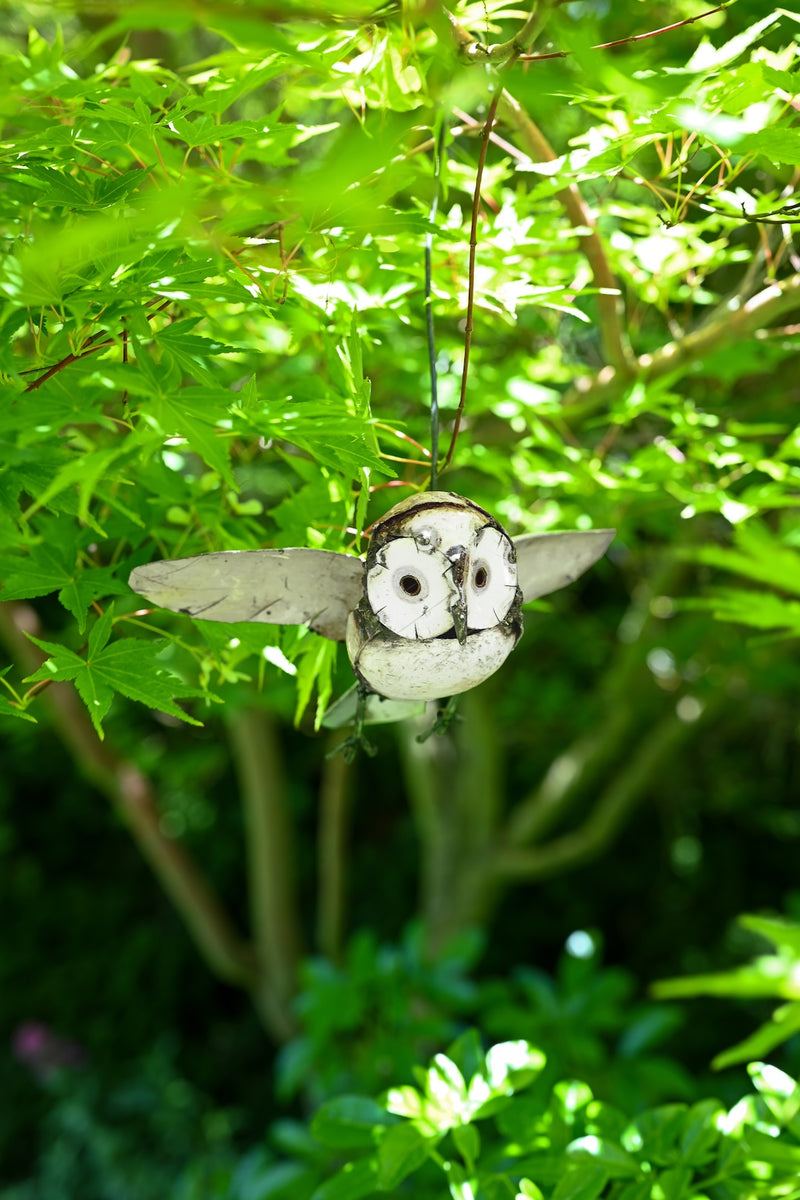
<point>283,587</point>
<point>549,561</point>
<point>377,710</point>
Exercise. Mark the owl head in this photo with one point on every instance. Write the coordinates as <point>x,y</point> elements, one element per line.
<point>440,566</point>
<point>441,605</point>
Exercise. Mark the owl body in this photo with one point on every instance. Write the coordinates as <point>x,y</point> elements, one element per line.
<point>427,669</point>
<point>433,611</point>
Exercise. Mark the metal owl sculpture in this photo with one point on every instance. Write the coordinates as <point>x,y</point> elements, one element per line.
<point>433,611</point>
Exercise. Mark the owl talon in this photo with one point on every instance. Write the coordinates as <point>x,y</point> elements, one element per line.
<point>446,715</point>
<point>357,739</point>
<point>351,745</point>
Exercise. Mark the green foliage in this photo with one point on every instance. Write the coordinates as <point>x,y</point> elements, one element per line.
<point>212,312</point>
<point>776,974</point>
<point>212,309</point>
<point>367,1021</point>
<point>364,1022</point>
<point>475,1125</point>
<point>761,557</point>
<point>508,1118</point>
<point>592,1024</point>
<point>121,667</point>
<point>152,1134</point>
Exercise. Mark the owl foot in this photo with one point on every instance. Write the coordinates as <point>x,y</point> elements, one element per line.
<point>445,716</point>
<point>357,740</point>
<point>351,745</point>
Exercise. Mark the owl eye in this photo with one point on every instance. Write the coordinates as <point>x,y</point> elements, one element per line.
<point>492,583</point>
<point>410,591</point>
<point>410,585</point>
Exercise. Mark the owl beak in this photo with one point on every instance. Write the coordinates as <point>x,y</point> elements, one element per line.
<point>458,606</point>
<point>459,611</point>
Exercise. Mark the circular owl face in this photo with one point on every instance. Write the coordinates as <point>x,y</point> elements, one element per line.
<point>440,567</point>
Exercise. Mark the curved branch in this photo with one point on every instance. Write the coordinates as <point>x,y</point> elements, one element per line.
<point>579,766</point>
<point>635,37</point>
<point>135,798</point>
<point>609,812</point>
<point>501,53</point>
<point>610,321</point>
<point>473,249</point>
<point>733,321</point>
<point>609,314</point>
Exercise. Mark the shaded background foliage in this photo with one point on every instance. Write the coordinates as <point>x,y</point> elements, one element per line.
<point>209,199</point>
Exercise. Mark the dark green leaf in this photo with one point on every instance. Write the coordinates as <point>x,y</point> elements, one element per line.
<point>351,1183</point>
<point>350,1121</point>
<point>402,1151</point>
<point>583,1182</point>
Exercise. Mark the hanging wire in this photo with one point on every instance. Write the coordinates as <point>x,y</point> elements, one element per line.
<point>437,175</point>
<point>473,246</point>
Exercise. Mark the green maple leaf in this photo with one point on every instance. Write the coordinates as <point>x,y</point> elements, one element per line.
<point>51,568</point>
<point>128,666</point>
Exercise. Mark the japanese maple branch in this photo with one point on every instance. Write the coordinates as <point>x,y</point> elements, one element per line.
<point>609,312</point>
<point>436,819</point>
<point>135,798</point>
<point>609,813</point>
<point>91,346</point>
<point>273,900</point>
<point>582,764</point>
<point>732,321</point>
<point>454,783</point>
<point>610,317</point>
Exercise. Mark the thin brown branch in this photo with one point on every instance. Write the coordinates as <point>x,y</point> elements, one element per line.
<point>91,346</point>
<point>733,321</point>
<point>135,798</point>
<point>636,37</point>
<point>273,900</point>
<point>67,359</point>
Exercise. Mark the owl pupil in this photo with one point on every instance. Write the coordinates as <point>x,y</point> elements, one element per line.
<point>481,577</point>
<point>411,585</point>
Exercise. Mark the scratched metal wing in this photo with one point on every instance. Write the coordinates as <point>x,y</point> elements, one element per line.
<point>377,710</point>
<point>549,561</point>
<point>282,587</point>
